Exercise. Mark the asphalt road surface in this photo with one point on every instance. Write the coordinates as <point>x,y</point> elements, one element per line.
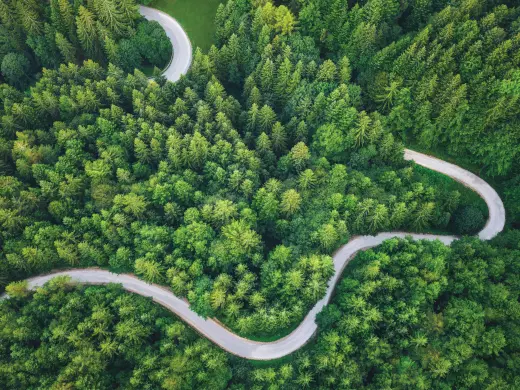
<point>182,51</point>
<point>272,350</point>
<point>213,330</point>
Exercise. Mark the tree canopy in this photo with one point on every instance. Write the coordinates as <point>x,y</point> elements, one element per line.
<point>406,315</point>
<point>235,185</point>
<point>43,34</point>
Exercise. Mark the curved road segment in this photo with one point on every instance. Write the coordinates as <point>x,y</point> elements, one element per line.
<point>212,329</point>
<point>182,51</point>
<point>272,350</point>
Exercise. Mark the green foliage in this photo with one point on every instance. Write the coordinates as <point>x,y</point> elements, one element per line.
<point>146,178</point>
<point>413,315</point>
<point>444,73</point>
<point>35,34</point>
<point>408,314</point>
<point>15,68</point>
<point>150,39</point>
<point>235,185</point>
<point>17,289</point>
<point>128,56</point>
<point>468,220</point>
<point>401,310</point>
<point>99,338</point>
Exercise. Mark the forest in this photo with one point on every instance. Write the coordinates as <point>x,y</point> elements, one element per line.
<point>407,315</point>
<point>44,34</point>
<point>234,186</point>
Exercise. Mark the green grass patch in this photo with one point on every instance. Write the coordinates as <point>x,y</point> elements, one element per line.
<point>197,17</point>
<point>264,337</point>
<point>444,184</point>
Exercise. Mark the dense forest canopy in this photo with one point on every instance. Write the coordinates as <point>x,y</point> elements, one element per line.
<point>37,34</point>
<point>220,198</point>
<point>235,185</point>
<point>444,73</point>
<point>407,315</point>
<point>66,337</point>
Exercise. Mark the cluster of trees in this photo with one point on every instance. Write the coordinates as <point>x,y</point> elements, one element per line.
<point>414,315</point>
<point>234,186</point>
<point>445,73</point>
<point>69,337</point>
<point>406,315</point>
<point>36,34</point>
<point>237,204</point>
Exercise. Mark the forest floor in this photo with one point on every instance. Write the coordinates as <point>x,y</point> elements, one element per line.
<point>196,17</point>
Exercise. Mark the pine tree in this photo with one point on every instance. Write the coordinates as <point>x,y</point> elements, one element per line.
<point>68,19</point>
<point>345,71</point>
<point>300,156</point>
<point>361,131</point>
<point>112,50</point>
<point>278,138</point>
<point>327,71</point>
<point>267,76</point>
<point>67,50</point>
<point>285,22</point>
<point>255,97</point>
<point>110,16</point>
<point>7,16</point>
<point>56,18</point>
<point>29,17</point>
<point>283,79</point>
<point>220,18</point>
<point>50,37</point>
<point>266,118</point>
<point>291,201</point>
<point>129,10</point>
<point>87,33</point>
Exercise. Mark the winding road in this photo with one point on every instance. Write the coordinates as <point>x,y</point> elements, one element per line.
<point>272,350</point>
<point>182,51</point>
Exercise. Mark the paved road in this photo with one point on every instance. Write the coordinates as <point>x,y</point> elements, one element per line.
<point>214,331</point>
<point>264,351</point>
<point>497,213</point>
<point>182,51</point>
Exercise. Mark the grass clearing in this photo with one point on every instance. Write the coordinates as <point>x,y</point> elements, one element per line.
<point>197,17</point>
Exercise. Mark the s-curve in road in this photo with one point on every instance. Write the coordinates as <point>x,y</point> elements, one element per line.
<point>272,350</point>
<point>182,51</point>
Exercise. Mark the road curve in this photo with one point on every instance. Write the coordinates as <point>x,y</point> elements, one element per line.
<point>182,51</point>
<point>210,328</point>
<point>272,350</point>
<point>497,213</point>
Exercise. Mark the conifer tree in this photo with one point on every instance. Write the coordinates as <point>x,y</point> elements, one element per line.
<point>29,17</point>
<point>67,50</point>
<point>111,16</point>
<point>87,32</point>
<point>67,18</point>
